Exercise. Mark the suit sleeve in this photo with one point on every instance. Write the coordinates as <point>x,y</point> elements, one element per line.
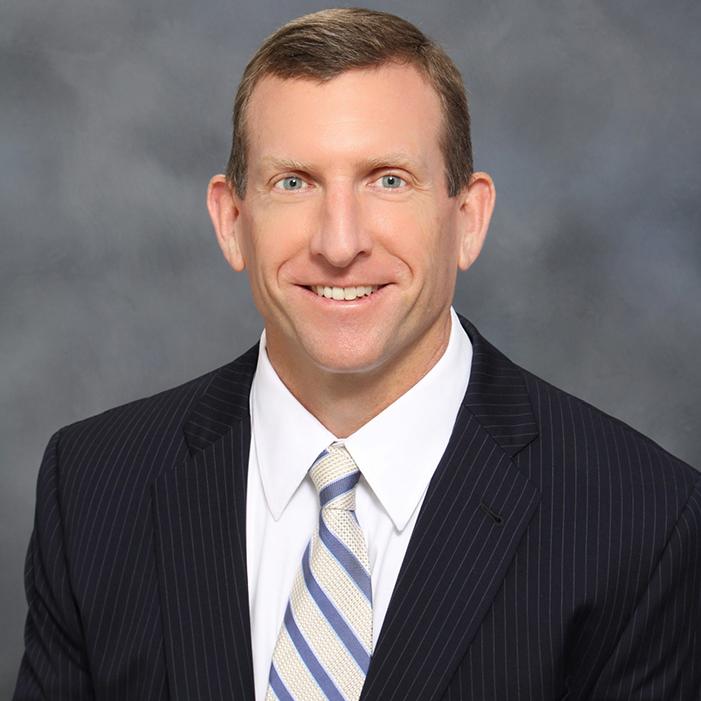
<point>658,655</point>
<point>54,665</point>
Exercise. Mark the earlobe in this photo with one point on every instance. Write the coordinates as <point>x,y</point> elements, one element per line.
<point>224,213</point>
<point>475,213</point>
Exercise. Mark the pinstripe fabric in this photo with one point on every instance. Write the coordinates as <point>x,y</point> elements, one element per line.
<point>325,644</point>
<point>557,555</point>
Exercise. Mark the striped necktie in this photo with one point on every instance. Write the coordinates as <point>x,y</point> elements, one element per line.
<point>325,642</point>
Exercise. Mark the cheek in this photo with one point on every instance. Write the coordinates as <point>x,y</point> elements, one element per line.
<point>421,238</point>
<point>271,237</point>
<point>278,243</point>
<point>400,226</point>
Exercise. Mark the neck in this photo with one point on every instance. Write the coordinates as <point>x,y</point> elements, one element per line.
<point>343,402</point>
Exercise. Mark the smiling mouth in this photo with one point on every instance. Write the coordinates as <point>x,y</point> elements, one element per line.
<point>344,293</point>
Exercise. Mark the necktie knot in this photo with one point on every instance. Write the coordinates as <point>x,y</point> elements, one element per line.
<point>335,476</point>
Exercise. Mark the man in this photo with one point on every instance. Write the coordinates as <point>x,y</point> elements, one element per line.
<point>374,502</point>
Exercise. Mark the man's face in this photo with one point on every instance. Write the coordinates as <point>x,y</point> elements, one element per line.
<point>347,232</point>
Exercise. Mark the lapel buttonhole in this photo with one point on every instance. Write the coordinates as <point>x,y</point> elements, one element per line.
<point>495,516</point>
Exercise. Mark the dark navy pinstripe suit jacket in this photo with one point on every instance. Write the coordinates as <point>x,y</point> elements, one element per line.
<point>557,555</point>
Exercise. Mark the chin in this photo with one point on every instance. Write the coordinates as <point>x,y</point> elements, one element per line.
<point>346,364</point>
<point>344,358</point>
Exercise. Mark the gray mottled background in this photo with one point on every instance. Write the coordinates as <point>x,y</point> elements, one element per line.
<point>113,115</point>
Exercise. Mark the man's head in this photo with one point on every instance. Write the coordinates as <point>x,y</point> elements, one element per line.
<point>325,44</point>
<point>341,205</point>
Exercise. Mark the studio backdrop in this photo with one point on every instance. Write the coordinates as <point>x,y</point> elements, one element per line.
<point>114,114</point>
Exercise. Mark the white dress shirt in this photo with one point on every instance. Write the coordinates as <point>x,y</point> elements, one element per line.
<point>397,453</point>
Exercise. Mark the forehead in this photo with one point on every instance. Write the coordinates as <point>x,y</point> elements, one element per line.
<point>361,112</point>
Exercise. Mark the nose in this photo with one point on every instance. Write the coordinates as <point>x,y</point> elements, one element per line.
<point>341,235</point>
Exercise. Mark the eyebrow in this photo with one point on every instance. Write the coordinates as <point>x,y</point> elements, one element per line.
<point>395,159</point>
<point>284,164</point>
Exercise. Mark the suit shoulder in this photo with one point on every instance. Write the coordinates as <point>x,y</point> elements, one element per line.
<point>169,405</point>
<point>585,432</point>
<point>147,432</point>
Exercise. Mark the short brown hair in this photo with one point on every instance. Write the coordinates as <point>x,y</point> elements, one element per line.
<point>322,45</point>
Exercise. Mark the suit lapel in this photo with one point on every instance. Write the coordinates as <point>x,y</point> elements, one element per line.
<point>476,510</point>
<point>199,512</point>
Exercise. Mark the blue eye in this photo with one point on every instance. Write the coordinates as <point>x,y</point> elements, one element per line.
<point>392,182</point>
<point>291,182</point>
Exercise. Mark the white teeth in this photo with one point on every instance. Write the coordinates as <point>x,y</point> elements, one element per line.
<point>339,293</point>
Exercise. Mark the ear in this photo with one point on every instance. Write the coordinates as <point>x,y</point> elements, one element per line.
<point>475,213</point>
<point>222,204</point>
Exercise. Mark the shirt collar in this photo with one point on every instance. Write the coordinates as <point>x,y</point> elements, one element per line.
<point>397,451</point>
<point>287,437</point>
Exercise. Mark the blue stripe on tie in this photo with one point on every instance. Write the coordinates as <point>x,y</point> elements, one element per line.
<point>278,686</point>
<point>342,629</point>
<point>347,560</point>
<point>340,486</point>
<point>309,658</point>
<point>322,454</point>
